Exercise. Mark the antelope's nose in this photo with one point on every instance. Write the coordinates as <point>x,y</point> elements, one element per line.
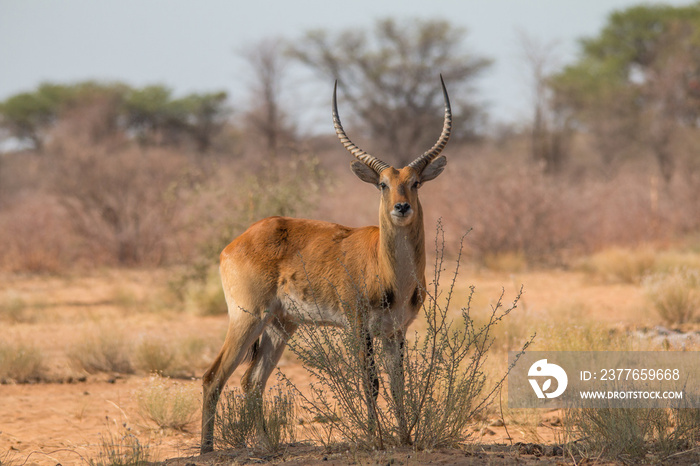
<point>402,207</point>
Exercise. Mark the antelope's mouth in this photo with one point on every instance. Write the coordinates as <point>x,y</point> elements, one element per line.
<point>402,218</point>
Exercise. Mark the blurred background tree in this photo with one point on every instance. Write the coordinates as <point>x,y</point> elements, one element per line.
<point>104,110</point>
<point>156,118</point>
<point>551,133</point>
<point>151,115</point>
<point>389,79</point>
<point>637,82</point>
<point>205,116</point>
<point>266,116</point>
<point>29,115</point>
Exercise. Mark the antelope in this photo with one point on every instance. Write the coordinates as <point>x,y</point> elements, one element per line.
<point>283,272</point>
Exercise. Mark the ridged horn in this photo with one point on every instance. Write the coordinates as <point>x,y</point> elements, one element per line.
<point>421,162</point>
<point>369,160</point>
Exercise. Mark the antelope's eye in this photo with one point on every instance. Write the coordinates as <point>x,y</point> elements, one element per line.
<point>416,185</point>
<point>382,185</point>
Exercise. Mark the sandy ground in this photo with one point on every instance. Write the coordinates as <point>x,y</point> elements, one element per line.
<point>68,418</point>
<point>49,424</point>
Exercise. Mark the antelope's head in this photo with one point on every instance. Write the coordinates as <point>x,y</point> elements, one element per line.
<point>399,187</point>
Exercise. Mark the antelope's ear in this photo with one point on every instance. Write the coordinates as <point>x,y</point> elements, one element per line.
<point>364,173</point>
<point>433,169</point>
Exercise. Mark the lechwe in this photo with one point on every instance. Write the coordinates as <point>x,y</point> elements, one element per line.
<point>283,272</point>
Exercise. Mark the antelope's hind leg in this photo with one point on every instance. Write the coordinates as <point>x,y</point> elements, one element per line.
<point>268,352</point>
<point>243,330</point>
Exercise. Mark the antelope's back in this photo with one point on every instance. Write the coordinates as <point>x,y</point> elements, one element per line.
<point>310,260</point>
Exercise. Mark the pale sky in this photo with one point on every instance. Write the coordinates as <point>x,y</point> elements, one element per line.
<point>191,46</point>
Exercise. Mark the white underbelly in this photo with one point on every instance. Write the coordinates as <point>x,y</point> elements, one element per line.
<point>314,313</point>
<point>381,322</point>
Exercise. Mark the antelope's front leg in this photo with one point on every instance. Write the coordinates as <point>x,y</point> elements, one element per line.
<point>371,378</point>
<point>395,352</point>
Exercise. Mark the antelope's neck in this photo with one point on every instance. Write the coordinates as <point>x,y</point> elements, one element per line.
<point>402,255</point>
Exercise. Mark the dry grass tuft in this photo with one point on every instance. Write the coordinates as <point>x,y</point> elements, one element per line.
<point>168,358</point>
<point>168,404</point>
<point>155,356</point>
<point>102,350</point>
<point>14,308</point>
<point>512,262</point>
<point>675,295</point>
<point>21,363</point>
<point>619,265</point>
<point>205,297</point>
<point>252,421</point>
<point>630,435</point>
<point>122,449</point>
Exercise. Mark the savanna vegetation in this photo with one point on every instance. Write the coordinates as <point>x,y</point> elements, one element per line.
<point>116,200</point>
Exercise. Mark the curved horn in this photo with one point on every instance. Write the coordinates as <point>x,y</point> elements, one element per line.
<point>421,162</point>
<point>369,160</point>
